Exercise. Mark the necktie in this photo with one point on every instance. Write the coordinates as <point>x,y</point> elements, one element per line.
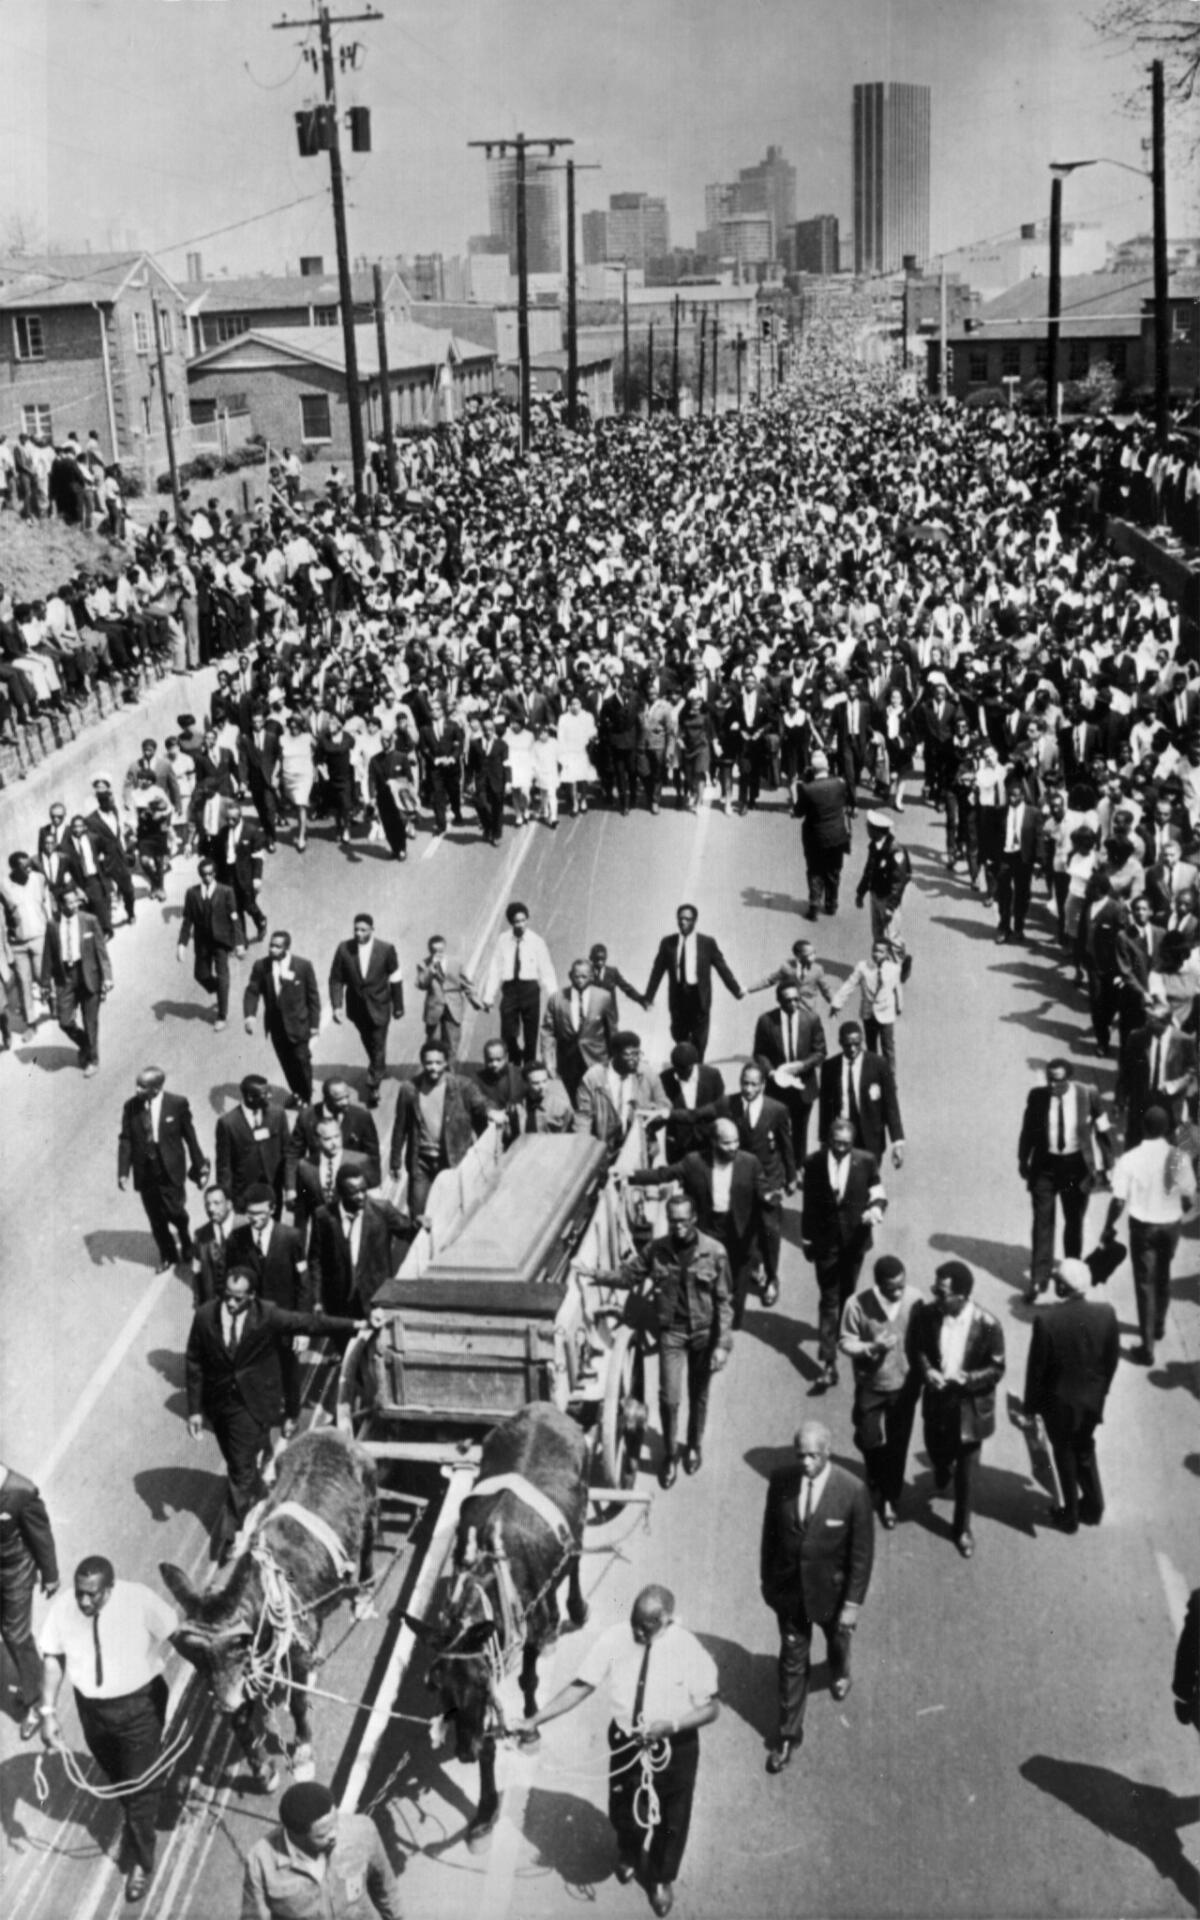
<point>330,1177</point>
<point>1156,1064</point>
<point>683,961</point>
<point>790,1036</point>
<point>96,1644</point>
<point>260,1234</point>
<point>516,972</point>
<point>1062,1126</point>
<point>576,1011</point>
<point>639,1696</point>
<point>851,1101</point>
<point>805,1504</point>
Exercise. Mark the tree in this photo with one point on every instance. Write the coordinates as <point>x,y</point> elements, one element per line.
<point>1166,30</point>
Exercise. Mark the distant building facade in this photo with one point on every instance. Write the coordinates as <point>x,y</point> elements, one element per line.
<point>890,126</point>
<point>816,245</point>
<point>993,266</point>
<point>770,187</point>
<point>543,220</point>
<point>635,227</point>
<point>220,309</point>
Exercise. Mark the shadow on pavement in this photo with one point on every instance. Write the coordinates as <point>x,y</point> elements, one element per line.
<point>1143,1817</point>
<point>996,1257</point>
<point>180,1010</point>
<point>1002,1496</point>
<point>166,1491</point>
<point>50,1059</point>
<point>95,1828</point>
<point>774,902</point>
<point>1177,1373</point>
<point>1035,1019</point>
<point>109,1245</point>
<point>170,1368</point>
<point>784,1336</point>
<point>570,1838</point>
<point>747,1683</point>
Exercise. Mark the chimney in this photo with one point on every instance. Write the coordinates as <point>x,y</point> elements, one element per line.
<point>312,266</point>
<point>195,266</point>
<point>910,263</point>
<point>1029,230</point>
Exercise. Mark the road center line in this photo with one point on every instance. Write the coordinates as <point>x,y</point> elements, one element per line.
<point>86,1405</point>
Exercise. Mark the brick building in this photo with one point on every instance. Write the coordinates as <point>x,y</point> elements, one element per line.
<point>292,382</point>
<point>78,353</point>
<point>221,309</point>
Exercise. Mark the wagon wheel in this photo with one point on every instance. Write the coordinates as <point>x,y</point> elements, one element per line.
<point>623,1421</point>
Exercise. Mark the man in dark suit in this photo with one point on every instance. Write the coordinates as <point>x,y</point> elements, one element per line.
<point>1157,1065</point>
<point>258,769</point>
<point>158,1148</point>
<point>1063,1129</point>
<point>251,1144</point>
<point>104,825</point>
<point>441,746</point>
<point>237,851</point>
<point>78,847</point>
<point>1020,837</point>
<point>366,979</point>
<point>859,1087</point>
<point>210,920</point>
<point>438,1116</point>
<point>753,715</point>
<point>957,1350</point>
<point>1078,748</point>
<point>315,1180</point>
<point>791,1037</point>
<point>76,975</point>
<point>823,806</point>
<point>487,767</point>
<point>27,1556</point>
<point>291,1003</point>
<point>274,1254</point>
<point>689,960</point>
<point>234,1380</point>
<point>1137,945</point>
<point>818,1546</point>
<point>209,1246</point>
<point>851,733</point>
<point>1073,1357</point>
<point>578,1027</point>
<point>356,1245</point>
<point>765,1130</point>
<point>729,1191</point>
<point>616,736</point>
<point>694,1091</point>
<point>843,1201</point>
<point>359,1133</point>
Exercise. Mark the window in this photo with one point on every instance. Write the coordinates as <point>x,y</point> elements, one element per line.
<point>1077,359</point>
<point>325,316</point>
<point>1181,323</point>
<point>141,334</point>
<point>28,337</point>
<point>1010,359</point>
<point>977,366</point>
<point>203,412</point>
<point>314,417</point>
<point>166,329</point>
<point>1116,353</point>
<point>36,420</point>
<point>226,326</point>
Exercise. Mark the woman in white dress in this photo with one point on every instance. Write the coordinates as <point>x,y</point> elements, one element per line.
<point>545,771</point>
<point>576,731</point>
<point>297,772</point>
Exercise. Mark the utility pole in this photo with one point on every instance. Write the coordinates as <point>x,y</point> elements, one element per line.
<point>571,169</point>
<point>521,145</point>
<point>1054,300</point>
<point>739,349</point>
<point>716,330</point>
<point>650,371</point>
<point>168,423</point>
<point>385,391</point>
<point>1158,175</point>
<point>625,336</point>
<point>703,358</point>
<point>944,354</point>
<point>331,140</point>
<point>675,360</point>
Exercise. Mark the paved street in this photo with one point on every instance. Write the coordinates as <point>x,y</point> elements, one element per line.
<point>1009,1745</point>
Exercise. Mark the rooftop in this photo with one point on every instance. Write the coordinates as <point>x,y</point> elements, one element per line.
<point>71,279</point>
<point>1094,306</point>
<point>265,292</point>
<point>409,348</point>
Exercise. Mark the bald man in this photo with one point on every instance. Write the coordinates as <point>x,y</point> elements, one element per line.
<point>157,1148</point>
<point>818,1544</point>
<point>662,1688</point>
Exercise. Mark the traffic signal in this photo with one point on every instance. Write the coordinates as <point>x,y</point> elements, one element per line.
<point>312,131</point>
<point>359,121</point>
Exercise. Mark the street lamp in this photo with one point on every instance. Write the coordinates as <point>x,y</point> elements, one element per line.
<point>1157,176</point>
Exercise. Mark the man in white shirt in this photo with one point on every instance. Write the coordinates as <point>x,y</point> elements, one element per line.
<point>662,1687</point>
<point>107,1637</point>
<point>521,970</point>
<point>1157,1182</point>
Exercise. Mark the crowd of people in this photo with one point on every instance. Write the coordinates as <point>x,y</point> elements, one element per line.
<point>809,600</point>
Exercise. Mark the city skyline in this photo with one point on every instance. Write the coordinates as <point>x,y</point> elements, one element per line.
<point>163,120</point>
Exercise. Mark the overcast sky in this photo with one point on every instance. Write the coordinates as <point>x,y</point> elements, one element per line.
<point>156,121</point>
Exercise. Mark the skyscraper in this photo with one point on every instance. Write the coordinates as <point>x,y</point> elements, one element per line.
<point>635,228</point>
<point>891,175</point>
<point>770,187</point>
<point>543,222</point>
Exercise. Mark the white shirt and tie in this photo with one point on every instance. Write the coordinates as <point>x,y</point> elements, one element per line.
<point>687,959</point>
<point>808,1499</point>
<point>839,1173</point>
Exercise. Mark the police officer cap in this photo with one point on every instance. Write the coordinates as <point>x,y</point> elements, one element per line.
<point>882,821</point>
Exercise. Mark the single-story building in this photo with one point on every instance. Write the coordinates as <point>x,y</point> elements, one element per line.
<point>222,309</point>
<point>1105,318</point>
<point>292,383</point>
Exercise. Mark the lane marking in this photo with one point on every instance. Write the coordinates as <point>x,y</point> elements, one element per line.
<point>1174,1586</point>
<point>86,1405</point>
<point>433,846</point>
